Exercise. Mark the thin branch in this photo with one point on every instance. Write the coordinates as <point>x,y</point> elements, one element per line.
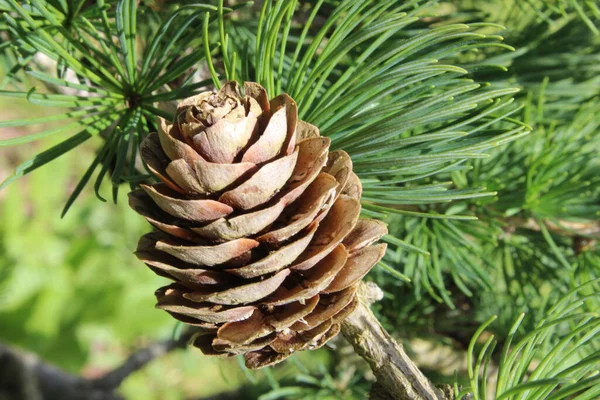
<point>585,235</point>
<point>138,360</point>
<point>24,376</point>
<point>589,230</point>
<point>396,373</point>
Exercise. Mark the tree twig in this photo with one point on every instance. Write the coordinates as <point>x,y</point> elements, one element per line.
<point>396,373</point>
<point>24,376</point>
<point>589,230</point>
<point>113,379</point>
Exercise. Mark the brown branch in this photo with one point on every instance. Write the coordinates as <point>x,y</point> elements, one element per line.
<point>113,379</point>
<point>396,373</point>
<point>590,230</point>
<point>584,235</point>
<point>24,376</point>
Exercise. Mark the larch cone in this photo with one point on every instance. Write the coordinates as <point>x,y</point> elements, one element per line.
<point>257,223</point>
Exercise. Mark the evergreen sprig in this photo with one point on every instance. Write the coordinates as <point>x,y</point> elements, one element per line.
<point>343,75</point>
<point>115,96</point>
<point>556,360</point>
<point>382,95</point>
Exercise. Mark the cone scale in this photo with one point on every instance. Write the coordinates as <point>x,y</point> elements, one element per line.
<point>257,224</point>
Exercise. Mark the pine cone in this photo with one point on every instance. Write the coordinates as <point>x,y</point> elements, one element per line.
<point>257,224</point>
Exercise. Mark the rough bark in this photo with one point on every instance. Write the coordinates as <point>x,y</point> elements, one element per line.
<point>394,370</point>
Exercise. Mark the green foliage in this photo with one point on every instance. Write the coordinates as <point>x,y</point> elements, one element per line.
<point>444,250</point>
<point>342,379</point>
<point>554,171</point>
<point>545,184</point>
<point>556,360</point>
<point>345,74</point>
<point>321,386</point>
<point>95,50</point>
<point>337,73</point>
<point>64,280</point>
<point>552,45</point>
<point>547,204</point>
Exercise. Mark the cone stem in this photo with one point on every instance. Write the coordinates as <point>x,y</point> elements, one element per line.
<point>395,371</point>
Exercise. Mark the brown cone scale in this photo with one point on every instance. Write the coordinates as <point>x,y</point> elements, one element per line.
<point>257,224</point>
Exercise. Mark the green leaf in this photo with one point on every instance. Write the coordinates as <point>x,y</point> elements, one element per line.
<point>56,151</point>
<point>211,67</point>
<point>98,115</point>
<point>392,271</point>
<point>58,100</point>
<point>126,30</point>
